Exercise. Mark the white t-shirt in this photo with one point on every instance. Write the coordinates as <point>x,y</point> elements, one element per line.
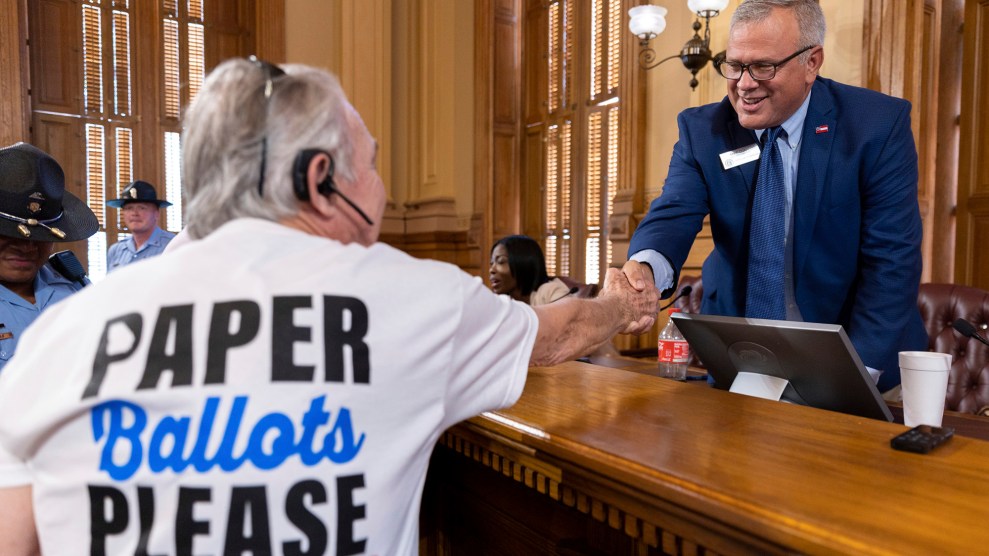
<point>260,388</point>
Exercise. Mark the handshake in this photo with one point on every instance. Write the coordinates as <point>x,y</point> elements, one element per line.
<point>633,289</point>
<point>570,328</point>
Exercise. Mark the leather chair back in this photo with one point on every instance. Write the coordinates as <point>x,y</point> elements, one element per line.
<point>583,290</point>
<point>940,305</point>
<point>691,303</point>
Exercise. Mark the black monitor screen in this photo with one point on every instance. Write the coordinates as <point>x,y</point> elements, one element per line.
<point>818,360</point>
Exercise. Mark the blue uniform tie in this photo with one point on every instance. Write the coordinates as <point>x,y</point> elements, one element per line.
<point>765,297</point>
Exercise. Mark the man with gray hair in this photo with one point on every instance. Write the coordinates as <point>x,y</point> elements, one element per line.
<point>820,223</point>
<point>277,385</point>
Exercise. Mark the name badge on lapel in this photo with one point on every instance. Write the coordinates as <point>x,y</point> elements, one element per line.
<point>739,156</point>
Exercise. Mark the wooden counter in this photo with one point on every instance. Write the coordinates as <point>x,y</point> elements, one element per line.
<point>595,460</point>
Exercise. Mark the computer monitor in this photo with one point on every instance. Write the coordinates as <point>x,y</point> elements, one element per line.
<point>818,360</point>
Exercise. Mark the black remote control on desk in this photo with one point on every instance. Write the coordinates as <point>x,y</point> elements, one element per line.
<point>922,439</point>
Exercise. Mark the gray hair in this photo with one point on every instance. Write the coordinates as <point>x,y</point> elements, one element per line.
<point>810,18</point>
<point>222,136</point>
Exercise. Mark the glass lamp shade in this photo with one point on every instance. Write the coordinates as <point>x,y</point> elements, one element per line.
<point>647,21</point>
<point>707,6</point>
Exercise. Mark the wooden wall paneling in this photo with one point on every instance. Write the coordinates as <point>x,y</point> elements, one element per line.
<point>506,97</point>
<point>55,28</point>
<point>233,29</point>
<point>927,127</point>
<point>62,137</point>
<point>480,234</point>
<point>269,25</point>
<point>365,72</point>
<point>534,87</point>
<point>972,259</point>
<point>54,36</point>
<point>903,41</point>
<point>505,195</point>
<point>426,147</point>
<point>14,73</point>
<point>942,221</point>
<point>148,96</point>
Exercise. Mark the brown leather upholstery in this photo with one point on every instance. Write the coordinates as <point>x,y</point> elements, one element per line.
<point>583,290</point>
<point>940,305</point>
<point>691,303</point>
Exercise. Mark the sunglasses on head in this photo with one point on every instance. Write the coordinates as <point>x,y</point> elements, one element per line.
<point>271,73</point>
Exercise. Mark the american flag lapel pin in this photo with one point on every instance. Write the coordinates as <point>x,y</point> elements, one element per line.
<point>821,129</point>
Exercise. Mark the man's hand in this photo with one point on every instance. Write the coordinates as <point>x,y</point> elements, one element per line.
<point>638,303</point>
<point>639,275</point>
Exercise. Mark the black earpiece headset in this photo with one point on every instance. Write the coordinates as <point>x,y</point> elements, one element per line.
<point>301,167</point>
<point>300,182</point>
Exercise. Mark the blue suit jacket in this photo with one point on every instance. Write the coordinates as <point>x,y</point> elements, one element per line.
<point>857,229</point>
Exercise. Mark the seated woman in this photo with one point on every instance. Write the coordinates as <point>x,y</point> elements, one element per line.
<point>518,269</point>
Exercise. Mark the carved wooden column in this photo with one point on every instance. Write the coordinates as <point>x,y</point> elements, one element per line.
<point>365,72</point>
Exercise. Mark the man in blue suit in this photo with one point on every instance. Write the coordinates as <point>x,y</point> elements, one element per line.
<point>850,219</point>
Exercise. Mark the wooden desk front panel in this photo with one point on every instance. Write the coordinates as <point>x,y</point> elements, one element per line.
<point>679,469</point>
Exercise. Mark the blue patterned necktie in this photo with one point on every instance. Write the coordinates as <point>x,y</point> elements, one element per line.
<point>765,297</point>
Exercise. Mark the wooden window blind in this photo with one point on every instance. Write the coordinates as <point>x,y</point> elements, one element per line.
<point>92,59</point>
<point>173,180</point>
<point>171,71</point>
<point>95,171</point>
<point>581,134</point>
<point>614,44</point>
<point>96,255</point>
<point>555,58</point>
<point>183,71</point>
<point>552,197</point>
<point>566,191</point>
<point>197,59</point>
<point>110,81</point>
<point>123,140</point>
<point>196,10</point>
<point>592,217</point>
<point>612,173</point>
<point>597,46</point>
<point>121,63</point>
<point>558,195</point>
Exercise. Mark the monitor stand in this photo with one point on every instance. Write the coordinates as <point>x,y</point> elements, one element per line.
<point>759,385</point>
<point>759,371</point>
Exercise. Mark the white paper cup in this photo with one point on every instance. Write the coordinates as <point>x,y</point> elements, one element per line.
<point>924,381</point>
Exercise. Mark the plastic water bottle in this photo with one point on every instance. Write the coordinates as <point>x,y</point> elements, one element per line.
<point>674,352</point>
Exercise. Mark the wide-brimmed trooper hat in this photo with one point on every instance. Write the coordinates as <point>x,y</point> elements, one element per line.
<point>138,192</point>
<point>34,204</point>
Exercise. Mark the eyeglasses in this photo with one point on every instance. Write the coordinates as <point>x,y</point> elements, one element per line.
<point>271,73</point>
<point>759,71</point>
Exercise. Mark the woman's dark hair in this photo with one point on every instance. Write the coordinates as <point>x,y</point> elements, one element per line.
<point>525,261</point>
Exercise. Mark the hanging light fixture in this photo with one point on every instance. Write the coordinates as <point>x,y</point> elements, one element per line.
<point>647,22</point>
